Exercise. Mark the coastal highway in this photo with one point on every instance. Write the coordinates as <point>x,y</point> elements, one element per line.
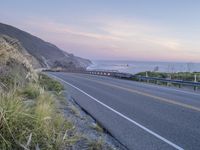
<point>141,116</point>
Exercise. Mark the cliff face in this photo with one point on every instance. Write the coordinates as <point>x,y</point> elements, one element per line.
<point>45,54</point>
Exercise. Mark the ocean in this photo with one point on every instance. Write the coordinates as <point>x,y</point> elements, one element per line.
<point>134,67</point>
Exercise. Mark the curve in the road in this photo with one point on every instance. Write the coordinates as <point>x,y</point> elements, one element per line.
<point>127,118</point>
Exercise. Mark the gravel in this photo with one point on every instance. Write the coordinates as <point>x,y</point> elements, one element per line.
<point>91,136</point>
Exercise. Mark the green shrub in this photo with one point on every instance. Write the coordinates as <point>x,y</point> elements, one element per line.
<point>50,84</point>
<point>154,74</point>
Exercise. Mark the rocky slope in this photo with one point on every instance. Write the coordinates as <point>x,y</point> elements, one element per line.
<point>45,54</point>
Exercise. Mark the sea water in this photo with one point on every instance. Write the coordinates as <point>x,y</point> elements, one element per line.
<point>141,66</point>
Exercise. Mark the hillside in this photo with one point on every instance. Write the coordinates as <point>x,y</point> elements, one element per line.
<point>46,54</point>
<point>25,102</point>
<point>15,62</point>
<point>34,110</point>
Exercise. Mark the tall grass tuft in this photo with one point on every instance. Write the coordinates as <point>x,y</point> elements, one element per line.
<point>24,126</point>
<point>16,121</point>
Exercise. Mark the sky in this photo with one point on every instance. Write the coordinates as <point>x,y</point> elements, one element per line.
<point>141,30</point>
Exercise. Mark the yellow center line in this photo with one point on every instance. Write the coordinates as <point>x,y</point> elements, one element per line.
<point>146,94</point>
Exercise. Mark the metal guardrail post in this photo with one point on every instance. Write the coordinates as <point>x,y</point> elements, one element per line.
<point>195,80</point>
<point>147,76</point>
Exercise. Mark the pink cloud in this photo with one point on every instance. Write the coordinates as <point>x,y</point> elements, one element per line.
<point>118,40</point>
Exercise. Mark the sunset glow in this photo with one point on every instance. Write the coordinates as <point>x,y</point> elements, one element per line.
<point>117,30</point>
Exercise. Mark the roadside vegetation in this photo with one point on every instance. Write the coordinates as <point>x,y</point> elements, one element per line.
<point>186,76</point>
<point>183,76</point>
<point>29,118</point>
<point>51,85</point>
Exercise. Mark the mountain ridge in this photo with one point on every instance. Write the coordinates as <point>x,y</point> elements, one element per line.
<point>47,54</point>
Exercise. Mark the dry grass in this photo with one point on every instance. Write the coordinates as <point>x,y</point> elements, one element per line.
<point>24,126</point>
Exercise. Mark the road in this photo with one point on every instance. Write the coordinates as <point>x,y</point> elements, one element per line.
<point>141,116</point>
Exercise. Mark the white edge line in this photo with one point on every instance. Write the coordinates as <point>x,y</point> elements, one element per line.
<point>123,116</point>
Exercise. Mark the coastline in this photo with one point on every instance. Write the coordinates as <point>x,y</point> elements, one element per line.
<point>135,67</point>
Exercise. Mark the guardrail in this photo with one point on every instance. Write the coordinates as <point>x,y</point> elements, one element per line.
<point>111,73</point>
<point>143,78</point>
<point>189,83</point>
<point>117,74</point>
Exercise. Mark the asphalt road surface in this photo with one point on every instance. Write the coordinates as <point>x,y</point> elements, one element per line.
<point>141,116</point>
